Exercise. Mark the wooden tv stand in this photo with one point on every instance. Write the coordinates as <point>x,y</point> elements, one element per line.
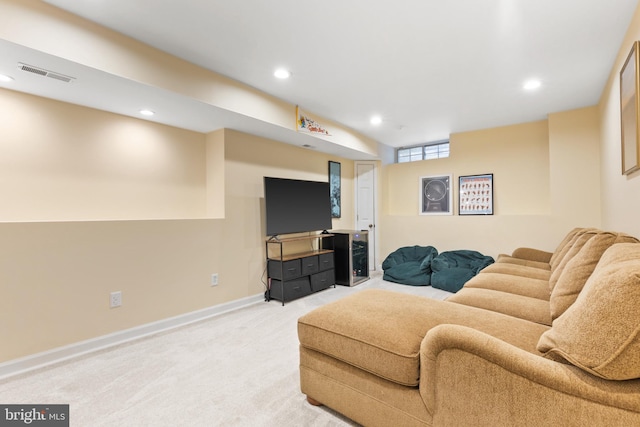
<point>292,275</point>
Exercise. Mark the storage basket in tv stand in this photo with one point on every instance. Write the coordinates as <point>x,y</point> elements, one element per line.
<point>294,275</point>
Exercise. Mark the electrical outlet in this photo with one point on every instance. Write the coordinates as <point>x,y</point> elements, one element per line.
<point>214,279</point>
<point>115,299</point>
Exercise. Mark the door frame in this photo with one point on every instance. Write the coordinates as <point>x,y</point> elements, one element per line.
<point>376,236</point>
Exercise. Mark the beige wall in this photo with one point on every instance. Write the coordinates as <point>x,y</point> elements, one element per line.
<point>56,276</point>
<point>518,156</point>
<point>620,193</point>
<point>62,162</point>
<point>215,174</point>
<point>539,194</point>
<point>574,146</point>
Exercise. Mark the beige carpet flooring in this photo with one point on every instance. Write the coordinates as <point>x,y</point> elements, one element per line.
<point>236,369</point>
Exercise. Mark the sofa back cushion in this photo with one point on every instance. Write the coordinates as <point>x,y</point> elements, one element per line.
<point>571,249</point>
<point>564,245</point>
<point>600,332</point>
<point>579,266</point>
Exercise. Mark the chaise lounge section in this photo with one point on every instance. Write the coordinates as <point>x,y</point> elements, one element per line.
<point>490,355</point>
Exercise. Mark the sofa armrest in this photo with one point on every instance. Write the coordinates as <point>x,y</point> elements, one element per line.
<point>471,378</point>
<point>531,254</point>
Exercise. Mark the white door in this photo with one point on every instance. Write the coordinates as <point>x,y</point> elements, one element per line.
<point>365,205</point>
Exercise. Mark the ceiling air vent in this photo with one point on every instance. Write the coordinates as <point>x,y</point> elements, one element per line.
<point>45,73</point>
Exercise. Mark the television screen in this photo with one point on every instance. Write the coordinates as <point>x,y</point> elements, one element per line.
<point>295,206</point>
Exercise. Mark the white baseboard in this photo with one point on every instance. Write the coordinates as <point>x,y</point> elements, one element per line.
<point>60,354</point>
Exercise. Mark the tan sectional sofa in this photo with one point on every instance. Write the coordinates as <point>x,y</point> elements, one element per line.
<point>537,338</point>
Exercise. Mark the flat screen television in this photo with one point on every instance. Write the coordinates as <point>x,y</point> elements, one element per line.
<point>296,206</point>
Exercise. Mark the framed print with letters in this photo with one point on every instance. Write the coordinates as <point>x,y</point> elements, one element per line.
<point>476,195</point>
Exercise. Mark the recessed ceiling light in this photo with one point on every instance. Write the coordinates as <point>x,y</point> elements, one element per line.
<point>146,112</point>
<point>282,73</point>
<point>532,84</point>
<point>5,78</point>
<point>376,120</point>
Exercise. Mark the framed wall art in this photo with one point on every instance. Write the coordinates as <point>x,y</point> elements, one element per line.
<point>629,107</point>
<point>475,194</point>
<point>436,195</point>
<point>335,188</point>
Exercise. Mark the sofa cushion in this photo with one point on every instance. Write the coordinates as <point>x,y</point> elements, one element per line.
<point>509,259</point>
<point>526,286</point>
<point>578,269</point>
<point>581,238</point>
<point>519,306</point>
<point>600,331</point>
<point>380,331</point>
<point>564,245</point>
<point>521,270</point>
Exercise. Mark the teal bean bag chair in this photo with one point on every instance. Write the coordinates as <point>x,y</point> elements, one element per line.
<point>409,265</point>
<point>452,269</point>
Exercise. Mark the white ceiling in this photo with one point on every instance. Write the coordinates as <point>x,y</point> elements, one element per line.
<point>427,67</point>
